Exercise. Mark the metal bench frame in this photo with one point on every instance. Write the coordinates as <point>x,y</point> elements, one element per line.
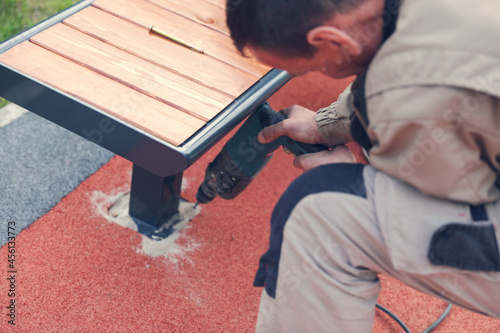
<point>157,165</point>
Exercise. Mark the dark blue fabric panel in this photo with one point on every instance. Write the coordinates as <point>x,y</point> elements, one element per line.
<point>478,213</point>
<point>470,247</point>
<point>343,178</point>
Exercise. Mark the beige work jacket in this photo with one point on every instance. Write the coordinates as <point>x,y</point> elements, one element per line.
<point>433,100</point>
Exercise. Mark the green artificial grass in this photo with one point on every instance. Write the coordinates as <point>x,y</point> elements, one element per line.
<point>18,15</point>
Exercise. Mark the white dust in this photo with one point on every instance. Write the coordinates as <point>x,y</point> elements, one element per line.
<point>114,208</point>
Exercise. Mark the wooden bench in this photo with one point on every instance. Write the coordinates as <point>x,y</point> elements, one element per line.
<point>97,70</point>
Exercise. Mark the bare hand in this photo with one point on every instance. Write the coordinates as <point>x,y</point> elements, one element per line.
<point>300,125</point>
<point>339,154</point>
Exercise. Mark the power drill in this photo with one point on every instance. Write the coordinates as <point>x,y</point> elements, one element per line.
<point>243,157</point>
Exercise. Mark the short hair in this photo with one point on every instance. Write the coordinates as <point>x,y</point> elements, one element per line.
<point>281,26</point>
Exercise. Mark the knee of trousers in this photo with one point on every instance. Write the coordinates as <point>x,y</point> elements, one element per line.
<point>345,179</point>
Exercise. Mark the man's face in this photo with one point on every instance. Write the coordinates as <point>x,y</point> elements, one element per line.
<point>296,66</point>
<point>342,43</point>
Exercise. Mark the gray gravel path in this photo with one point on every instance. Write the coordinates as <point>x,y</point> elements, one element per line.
<point>40,163</point>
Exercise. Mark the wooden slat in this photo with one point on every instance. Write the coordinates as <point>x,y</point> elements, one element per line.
<point>222,3</point>
<point>137,41</point>
<point>213,43</point>
<point>144,112</point>
<point>200,11</point>
<point>132,71</point>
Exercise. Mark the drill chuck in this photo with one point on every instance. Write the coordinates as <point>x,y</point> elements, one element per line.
<point>222,178</point>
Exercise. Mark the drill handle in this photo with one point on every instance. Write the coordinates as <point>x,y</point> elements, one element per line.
<point>269,117</point>
<point>300,148</point>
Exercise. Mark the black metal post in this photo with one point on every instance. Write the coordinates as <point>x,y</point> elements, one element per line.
<point>154,199</point>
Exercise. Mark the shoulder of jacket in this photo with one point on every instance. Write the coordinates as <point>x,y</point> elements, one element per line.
<point>440,42</point>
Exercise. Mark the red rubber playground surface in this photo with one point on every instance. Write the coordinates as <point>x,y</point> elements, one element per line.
<point>77,271</point>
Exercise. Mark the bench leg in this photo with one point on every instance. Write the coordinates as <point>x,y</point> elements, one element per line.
<point>153,199</point>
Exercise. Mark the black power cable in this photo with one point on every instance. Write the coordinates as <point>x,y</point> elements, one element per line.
<point>405,328</point>
<point>393,316</point>
<point>439,320</point>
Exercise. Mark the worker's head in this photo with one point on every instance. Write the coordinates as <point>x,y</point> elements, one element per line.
<point>336,37</point>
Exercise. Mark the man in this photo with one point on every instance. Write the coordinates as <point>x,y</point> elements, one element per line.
<point>426,107</point>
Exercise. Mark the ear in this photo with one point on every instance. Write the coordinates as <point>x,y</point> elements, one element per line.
<point>325,35</point>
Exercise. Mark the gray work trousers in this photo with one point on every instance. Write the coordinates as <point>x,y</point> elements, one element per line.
<point>338,226</point>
